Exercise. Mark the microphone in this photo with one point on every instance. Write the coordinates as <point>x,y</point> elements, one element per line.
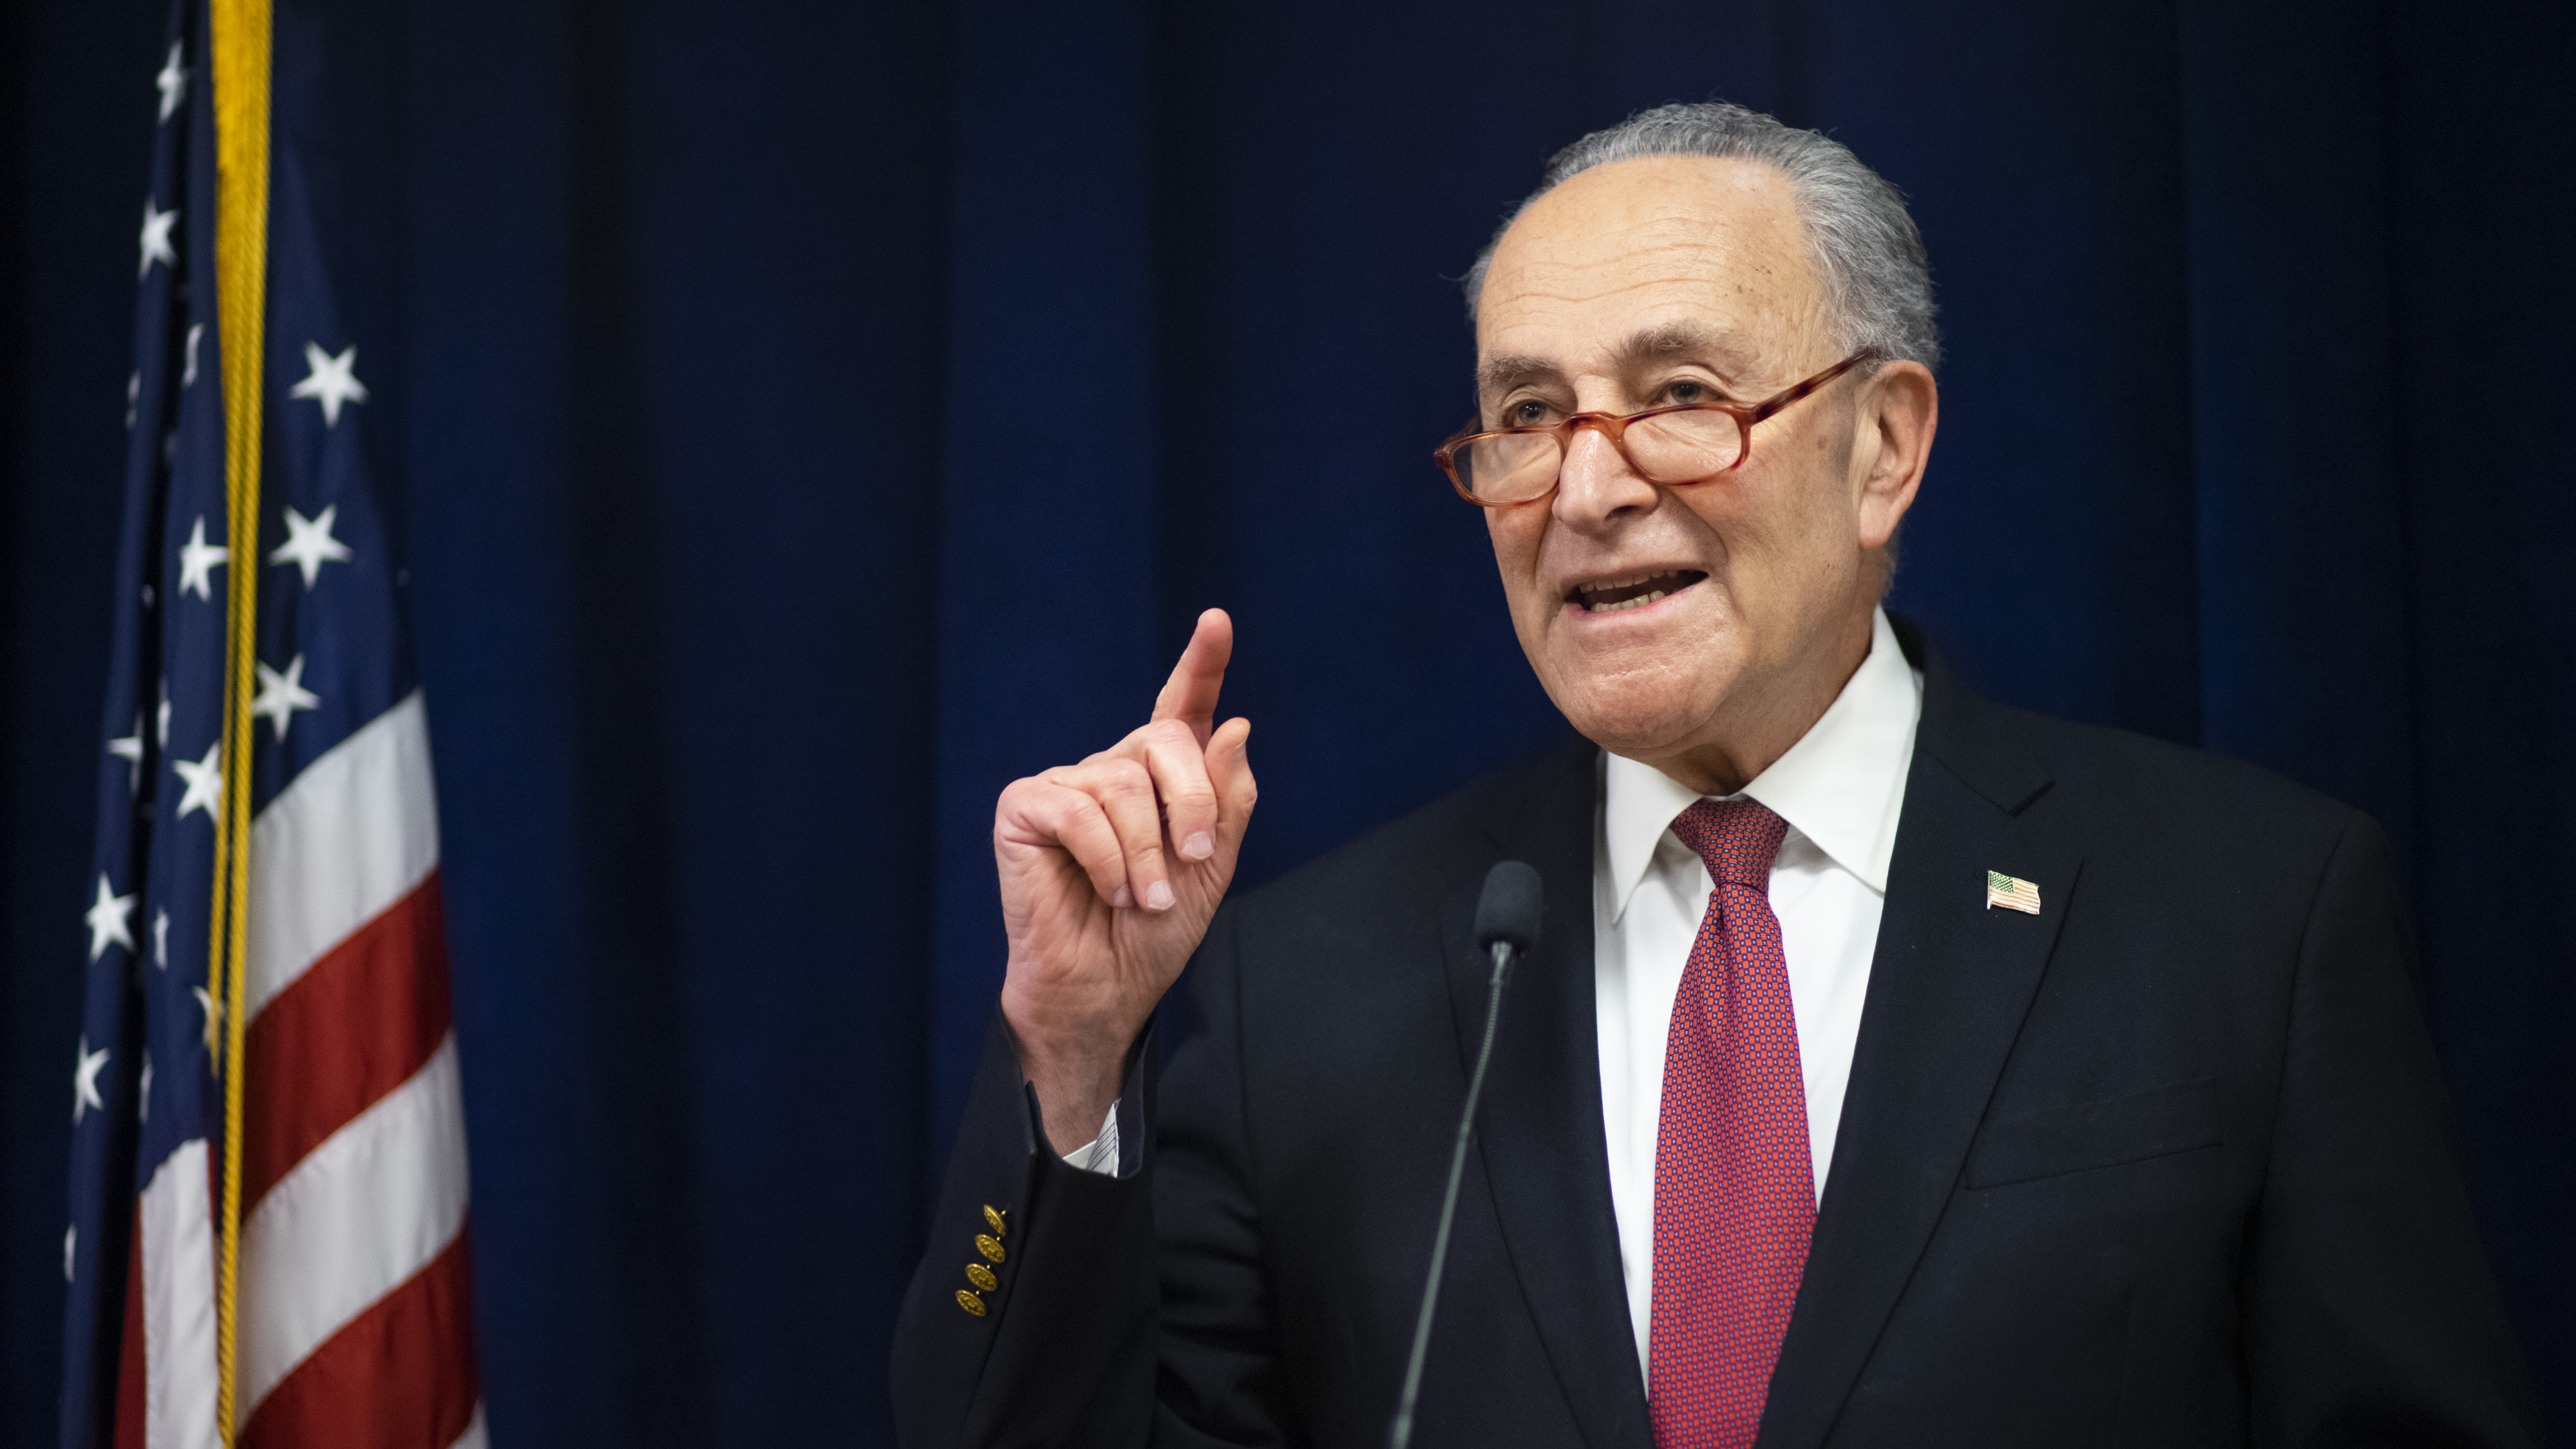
<point>1507,917</point>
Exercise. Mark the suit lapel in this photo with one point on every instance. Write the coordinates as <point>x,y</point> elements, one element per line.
<point>1539,1133</point>
<point>1948,988</point>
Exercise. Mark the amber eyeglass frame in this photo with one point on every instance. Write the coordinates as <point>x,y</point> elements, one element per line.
<point>1614,426</point>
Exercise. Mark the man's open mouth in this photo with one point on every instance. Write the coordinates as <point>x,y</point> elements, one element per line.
<point>1634,591</point>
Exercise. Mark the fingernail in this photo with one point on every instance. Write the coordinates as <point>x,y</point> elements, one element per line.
<point>1158,896</point>
<point>1123,899</point>
<point>1198,847</point>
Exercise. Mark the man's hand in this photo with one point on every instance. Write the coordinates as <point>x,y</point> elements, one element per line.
<point>1110,871</point>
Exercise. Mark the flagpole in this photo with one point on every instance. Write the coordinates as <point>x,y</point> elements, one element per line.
<point>241,36</point>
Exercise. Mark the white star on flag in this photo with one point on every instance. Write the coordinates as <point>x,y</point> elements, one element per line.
<point>196,334</point>
<point>143,1093</point>
<point>161,939</point>
<point>331,382</point>
<point>309,542</point>
<point>161,727</point>
<point>172,83</point>
<point>214,1011</point>
<point>108,919</point>
<point>85,1080</point>
<point>205,783</point>
<point>130,750</point>
<point>281,695</point>
<point>156,238</point>
<point>71,1244</point>
<point>197,560</point>
<point>133,397</point>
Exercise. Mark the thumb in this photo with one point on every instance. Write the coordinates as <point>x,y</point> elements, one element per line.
<point>1229,767</point>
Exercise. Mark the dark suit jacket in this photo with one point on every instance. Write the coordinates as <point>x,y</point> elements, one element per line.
<point>2162,1165</point>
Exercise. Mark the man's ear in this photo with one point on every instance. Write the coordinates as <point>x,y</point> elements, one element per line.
<point>1898,415</point>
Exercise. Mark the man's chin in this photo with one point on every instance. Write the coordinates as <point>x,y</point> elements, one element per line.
<point>1639,729</point>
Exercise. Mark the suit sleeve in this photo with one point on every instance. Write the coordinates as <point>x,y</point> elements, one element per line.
<point>2371,1315</point>
<point>1127,1310</point>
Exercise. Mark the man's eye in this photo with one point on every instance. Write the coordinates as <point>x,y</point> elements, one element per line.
<point>1685,393</point>
<point>1527,413</point>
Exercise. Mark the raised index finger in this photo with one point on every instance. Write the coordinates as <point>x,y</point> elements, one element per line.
<point>1190,694</point>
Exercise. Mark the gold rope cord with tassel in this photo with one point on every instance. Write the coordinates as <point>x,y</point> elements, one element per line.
<point>241,69</point>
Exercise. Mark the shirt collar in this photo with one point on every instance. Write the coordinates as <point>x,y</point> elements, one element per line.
<point>1841,785</point>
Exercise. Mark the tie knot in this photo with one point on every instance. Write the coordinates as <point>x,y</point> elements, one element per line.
<point>1739,839</point>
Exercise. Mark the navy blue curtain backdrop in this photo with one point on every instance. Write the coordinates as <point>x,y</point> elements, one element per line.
<point>809,417</point>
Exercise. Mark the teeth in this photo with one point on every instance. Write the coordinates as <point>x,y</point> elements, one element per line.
<point>1592,591</point>
<point>1638,602</point>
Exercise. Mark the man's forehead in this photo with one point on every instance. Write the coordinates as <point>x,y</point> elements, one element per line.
<point>1649,257</point>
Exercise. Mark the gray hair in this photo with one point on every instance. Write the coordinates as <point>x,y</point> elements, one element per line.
<point>1869,257</point>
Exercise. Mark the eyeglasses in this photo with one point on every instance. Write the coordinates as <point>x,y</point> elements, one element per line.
<point>1686,443</point>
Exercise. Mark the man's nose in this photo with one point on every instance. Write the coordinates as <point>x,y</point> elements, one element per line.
<point>1596,484</point>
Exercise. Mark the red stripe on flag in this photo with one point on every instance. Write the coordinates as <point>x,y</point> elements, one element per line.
<point>354,1027</point>
<point>129,1368</point>
<point>398,1376</point>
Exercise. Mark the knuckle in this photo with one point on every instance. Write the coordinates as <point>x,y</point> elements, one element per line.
<point>1033,800</point>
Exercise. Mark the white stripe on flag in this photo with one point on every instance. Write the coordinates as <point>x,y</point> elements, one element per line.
<point>353,1221</point>
<point>179,1303</point>
<point>473,1437</point>
<point>351,835</point>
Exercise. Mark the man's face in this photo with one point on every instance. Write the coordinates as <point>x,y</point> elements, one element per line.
<point>1659,281</point>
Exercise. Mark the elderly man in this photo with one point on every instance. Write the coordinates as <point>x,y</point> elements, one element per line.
<point>1895,1069</point>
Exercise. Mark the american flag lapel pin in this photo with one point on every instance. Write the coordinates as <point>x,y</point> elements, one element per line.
<point>2011,892</point>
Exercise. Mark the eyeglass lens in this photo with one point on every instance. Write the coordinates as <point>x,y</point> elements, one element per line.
<point>1681,447</point>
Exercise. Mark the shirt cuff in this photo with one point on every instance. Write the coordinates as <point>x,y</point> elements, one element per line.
<point>1100,1154</point>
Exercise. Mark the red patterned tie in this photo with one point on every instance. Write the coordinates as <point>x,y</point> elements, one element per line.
<point>1735,1196</point>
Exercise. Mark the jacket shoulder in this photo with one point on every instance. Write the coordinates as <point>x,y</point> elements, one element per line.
<point>2185,812</point>
<point>2112,787</point>
<point>2161,779</point>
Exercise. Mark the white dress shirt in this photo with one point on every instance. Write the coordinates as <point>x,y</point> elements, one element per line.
<point>1839,788</point>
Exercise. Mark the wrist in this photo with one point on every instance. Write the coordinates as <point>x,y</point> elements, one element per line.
<point>1057,1041</point>
<point>1075,1071</point>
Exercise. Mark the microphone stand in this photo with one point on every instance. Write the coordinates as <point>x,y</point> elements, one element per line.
<point>1400,1433</point>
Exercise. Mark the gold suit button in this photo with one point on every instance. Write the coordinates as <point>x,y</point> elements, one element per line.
<point>989,1246</point>
<point>993,1215</point>
<point>982,1277</point>
<point>970,1303</point>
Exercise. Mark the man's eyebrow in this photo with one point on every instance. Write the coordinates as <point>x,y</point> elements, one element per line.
<point>1509,370</point>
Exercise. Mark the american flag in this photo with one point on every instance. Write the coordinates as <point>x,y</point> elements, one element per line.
<point>351,1317</point>
<point>2011,892</point>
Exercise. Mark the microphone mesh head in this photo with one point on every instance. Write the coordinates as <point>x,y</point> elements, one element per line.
<point>1510,907</point>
